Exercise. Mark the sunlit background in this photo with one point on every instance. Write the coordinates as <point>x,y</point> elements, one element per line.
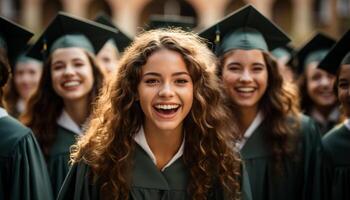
<point>299,18</point>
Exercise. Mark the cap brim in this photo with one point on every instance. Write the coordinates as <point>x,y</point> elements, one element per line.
<point>64,24</point>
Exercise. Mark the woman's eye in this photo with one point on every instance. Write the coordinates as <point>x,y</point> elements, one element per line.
<point>233,68</point>
<point>57,67</point>
<point>151,81</point>
<point>181,81</point>
<point>78,64</point>
<point>342,85</point>
<point>257,69</point>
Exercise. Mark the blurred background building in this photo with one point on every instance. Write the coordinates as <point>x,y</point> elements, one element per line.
<point>299,18</point>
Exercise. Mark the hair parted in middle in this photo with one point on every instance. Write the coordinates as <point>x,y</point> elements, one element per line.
<point>46,101</point>
<point>281,104</point>
<point>108,145</point>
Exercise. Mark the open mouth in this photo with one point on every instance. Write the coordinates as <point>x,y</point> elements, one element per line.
<point>70,84</point>
<point>167,109</point>
<point>245,89</point>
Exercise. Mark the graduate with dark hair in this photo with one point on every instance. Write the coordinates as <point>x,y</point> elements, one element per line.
<point>336,143</point>
<point>278,145</point>
<point>23,173</point>
<point>109,55</point>
<point>316,85</point>
<point>26,73</point>
<point>70,83</point>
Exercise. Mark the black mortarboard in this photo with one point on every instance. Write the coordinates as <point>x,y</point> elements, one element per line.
<point>314,50</point>
<point>13,38</point>
<point>68,31</point>
<point>338,55</point>
<point>21,57</point>
<point>246,29</point>
<point>121,40</point>
<point>167,21</point>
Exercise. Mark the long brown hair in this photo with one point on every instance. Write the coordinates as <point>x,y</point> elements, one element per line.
<point>4,73</point>
<point>108,145</point>
<point>280,103</point>
<point>45,101</point>
<point>11,97</point>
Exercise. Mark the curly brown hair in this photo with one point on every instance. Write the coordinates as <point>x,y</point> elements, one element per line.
<point>280,102</point>
<point>108,145</point>
<point>46,101</point>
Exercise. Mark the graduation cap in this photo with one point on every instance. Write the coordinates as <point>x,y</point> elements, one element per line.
<point>285,51</point>
<point>338,55</point>
<point>170,21</point>
<point>121,40</point>
<point>13,38</point>
<point>245,29</point>
<point>23,57</point>
<point>313,51</point>
<point>68,31</point>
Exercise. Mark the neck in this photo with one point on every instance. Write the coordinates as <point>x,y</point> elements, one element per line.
<point>246,117</point>
<point>325,111</point>
<point>78,110</point>
<point>164,144</point>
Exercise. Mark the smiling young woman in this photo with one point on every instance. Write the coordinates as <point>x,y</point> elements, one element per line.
<point>316,85</point>
<point>278,145</point>
<point>71,80</point>
<point>159,130</point>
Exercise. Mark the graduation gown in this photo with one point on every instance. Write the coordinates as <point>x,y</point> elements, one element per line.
<point>336,170</point>
<point>297,178</point>
<point>58,159</point>
<point>148,182</point>
<point>23,173</point>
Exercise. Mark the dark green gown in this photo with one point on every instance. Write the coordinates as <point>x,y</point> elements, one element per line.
<point>58,159</point>
<point>23,173</point>
<point>336,170</point>
<point>298,178</point>
<point>148,182</point>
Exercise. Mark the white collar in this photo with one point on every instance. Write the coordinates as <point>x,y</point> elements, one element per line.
<point>20,106</point>
<point>140,139</point>
<point>253,126</point>
<point>347,123</point>
<point>67,122</point>
<point>3,112</point>
<point>332,117</point>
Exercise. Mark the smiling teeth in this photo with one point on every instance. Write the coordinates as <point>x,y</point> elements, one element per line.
<point>71,83</point>
<point>167,107</point>
<point>245,89</point>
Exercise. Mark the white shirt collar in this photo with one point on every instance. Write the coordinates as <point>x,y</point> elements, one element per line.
<point>332,117</point>
<point>67,122</point>
<point>347,123</point>
<point>140,139</point>
<point>3,112</point>
<point>20,106</point>
<point>253,126</point>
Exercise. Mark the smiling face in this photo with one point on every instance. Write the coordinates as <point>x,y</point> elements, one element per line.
<point>165,91</point>
<point>245,77</point>
<point>107,58</point>
<point>343,88</point>
<point>320,86</point>
<point>71,73</point>
<point>26,78</point>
